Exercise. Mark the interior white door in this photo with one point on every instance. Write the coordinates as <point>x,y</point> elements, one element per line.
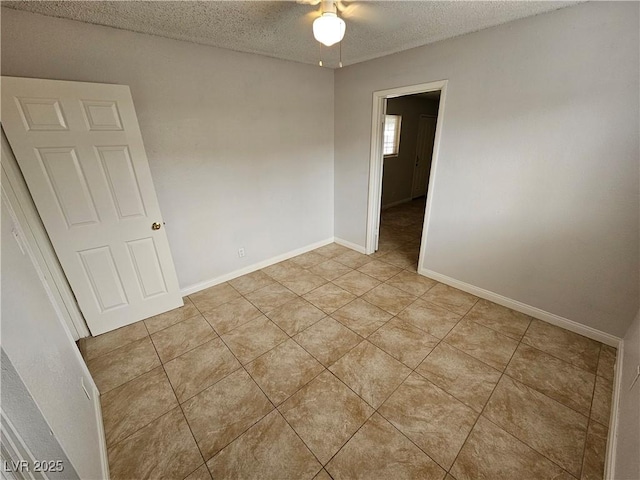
<point>424,152</point>
<point>81,153</point>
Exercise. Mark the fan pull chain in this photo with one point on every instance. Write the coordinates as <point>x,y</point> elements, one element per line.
<point>320,62</point>
<point>340,63</point>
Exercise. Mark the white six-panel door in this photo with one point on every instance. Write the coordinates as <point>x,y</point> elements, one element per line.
<point>80,150</point>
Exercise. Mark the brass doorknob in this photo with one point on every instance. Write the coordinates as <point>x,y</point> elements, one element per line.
<point>155,226</point>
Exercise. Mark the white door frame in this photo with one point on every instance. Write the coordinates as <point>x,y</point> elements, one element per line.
<point>375,165</point>
<point>28,219</point>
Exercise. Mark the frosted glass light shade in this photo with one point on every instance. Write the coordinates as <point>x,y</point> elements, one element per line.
<point>328,29</point>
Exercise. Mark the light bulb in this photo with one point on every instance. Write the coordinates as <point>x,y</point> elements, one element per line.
<point>328,29</point>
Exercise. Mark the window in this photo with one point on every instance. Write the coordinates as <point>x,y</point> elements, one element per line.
<point>391,135</point>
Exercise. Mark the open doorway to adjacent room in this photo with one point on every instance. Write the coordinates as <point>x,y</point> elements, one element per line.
<point>403,159</point>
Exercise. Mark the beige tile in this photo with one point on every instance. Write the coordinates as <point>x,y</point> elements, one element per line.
<point>212,297</point>
<point>450,298</point>
<point>271,297</point>
<point>402,259</point>
<point>601,407</point>
<point>309,259</point>
<point>490,453</point>
<point>549,427</point>
<point>93,347</point>
<point>251,282</point>
<point>568,346</point>
<point>378,451</point>
<point>356,282</point>
<point>283,270</point>
<point>555,378</point>
<point>404,342</point>
<point>283,370</point>
<point>501,319</point>
<point>201,473</point>
<point>330,269</point>
<point>332,250</point>
<point>222,412</point>
<point>361,317</point>
<point>329,297</point>
<point>389,298</point>
<point>131,406</point>
<point>433,319</point>
<point>384,247</point>
<point>607,362</point>
<point>325,413</point>
<point>123,364</point>
<point>352,259</point>
<point>380,270</point>
<point>268,450</point>
<point>254,338</point>
<point>163,449</point>
<point>430,417</point>
<point>322,475</point>
<point>200,368</point>
<point>177,315</point>
<point>327,340</point>
<point>230,315</point>
<point>469,380</point>
<point>411,283</point>
<point>595,452</point>
<point>296,315</point>
<point>182,337</point>
<point>482,343</point>
<point>370,372</point>
<point>303,282</point>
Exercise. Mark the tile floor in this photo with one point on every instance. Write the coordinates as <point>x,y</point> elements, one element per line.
<point>339,365</point>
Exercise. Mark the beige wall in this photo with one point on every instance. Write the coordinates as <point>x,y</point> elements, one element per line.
<point>536,190</point>
<point>240,146</point>
<point>397,180</point>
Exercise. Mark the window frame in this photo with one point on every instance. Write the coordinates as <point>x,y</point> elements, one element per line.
<point>396,140</point>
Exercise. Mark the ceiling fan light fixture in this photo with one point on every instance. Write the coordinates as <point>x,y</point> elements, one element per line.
<point>329,29</point>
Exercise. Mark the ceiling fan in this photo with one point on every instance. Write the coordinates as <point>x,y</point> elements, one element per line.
<point>329,26</point>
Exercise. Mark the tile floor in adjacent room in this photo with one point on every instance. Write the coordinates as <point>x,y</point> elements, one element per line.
<point>339,365</point>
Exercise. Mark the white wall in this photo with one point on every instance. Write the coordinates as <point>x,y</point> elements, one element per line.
<point>47,360</point>
<point>627,464</point>
<point>240,146</point>
<point>28,422</point>
<point>536,193</point>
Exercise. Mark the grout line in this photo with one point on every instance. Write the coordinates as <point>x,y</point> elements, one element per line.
<point>484,407</point>
<point>180,406</point>
<point>403,269</point>
<point>245,430</point>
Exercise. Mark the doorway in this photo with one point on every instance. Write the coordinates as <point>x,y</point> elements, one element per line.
<point>402,174</point>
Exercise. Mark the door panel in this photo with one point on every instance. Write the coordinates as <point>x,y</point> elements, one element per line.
<point>68,185</point>
<point>81,153</point>
<point>101,272</point>
<point>122,180</point>
<point>144,257</point>
<point>424,152</point>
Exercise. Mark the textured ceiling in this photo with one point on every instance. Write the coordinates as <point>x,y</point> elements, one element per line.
<point>283,29</point>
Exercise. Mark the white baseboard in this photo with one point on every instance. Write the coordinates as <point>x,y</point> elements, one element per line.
<point>612,437</point>
<point>393,204</point>
<point>252,268</point>
<point>535,312</point>
<point>348,244</point>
